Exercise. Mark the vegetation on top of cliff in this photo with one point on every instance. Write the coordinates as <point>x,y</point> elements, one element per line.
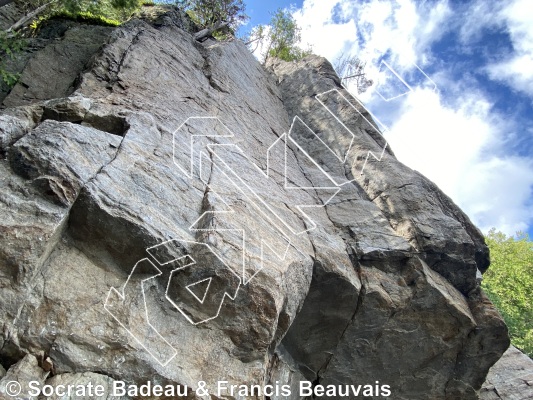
<point>219,18</point>
<point>216,18</point>
<point>279,39</point>
<point>80,16</point>
<point>509,284</point>
<point>225,15</point>
<point>118,10</point>
<point>99,12</point>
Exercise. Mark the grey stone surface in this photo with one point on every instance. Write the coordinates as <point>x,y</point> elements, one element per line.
<point>511,378</point>
<point>83,380</point>
<point>9,15</point>
<point>95,182</point>
<point>392,216</point>
<point>12,129</point>
<point>16,382</point>
<point>65,57</point>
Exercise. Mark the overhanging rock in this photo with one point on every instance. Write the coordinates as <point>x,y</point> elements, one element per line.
<point>171,160</point>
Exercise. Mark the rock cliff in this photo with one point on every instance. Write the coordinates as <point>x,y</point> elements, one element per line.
<point>510,378</point>
<point>173,211</point>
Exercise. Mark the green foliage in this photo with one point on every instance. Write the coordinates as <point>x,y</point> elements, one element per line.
<point>290,53</point>
<point>206,13</point>
<point>99,12</point>
<point>10,46</point>
<point>87,17</point>
<point>509,284</point>
<point>280,38</point>
<point>79,16</point>
<point>285,34</point>
<point>9,78</point>
<point>91,10</point>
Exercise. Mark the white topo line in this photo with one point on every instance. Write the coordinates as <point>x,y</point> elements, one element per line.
<point>120,296</point>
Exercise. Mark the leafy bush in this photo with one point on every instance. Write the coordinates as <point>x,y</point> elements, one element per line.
<point>509,284</point>
<point>10,46</point>
<point>97,12</point>
<point>87,17</point>
<point>119,10</point>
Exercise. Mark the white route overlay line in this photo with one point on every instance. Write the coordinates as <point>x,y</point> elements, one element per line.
<point>300,207</point>
<point>188,287</point>
<point>190,173</point>
<point>167,352</point>
<point>372,125</point>
<point>407,85</point>
<point>374,117</point>
<point>245,279</point>
<point>267,212</point>
<point>170,351</point>
<point>265,206</point>
<point>193,262</point>
<point>284,238</point>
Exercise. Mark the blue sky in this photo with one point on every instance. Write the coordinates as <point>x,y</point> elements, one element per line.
<point>466,119</point>
<point>259,11</point>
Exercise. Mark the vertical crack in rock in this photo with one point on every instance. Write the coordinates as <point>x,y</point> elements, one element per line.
<point>390,258</point>
<point>90,182</point>
<point>207,67</point>
<point>121,63</point>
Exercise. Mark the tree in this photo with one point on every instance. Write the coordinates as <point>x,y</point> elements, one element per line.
<point>509,284</point>
<point>352,70</point>
<point>209,12</point>
<point>222,16</point>
<point>279,39</point>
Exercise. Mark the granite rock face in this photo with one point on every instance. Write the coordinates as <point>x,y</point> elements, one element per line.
<point>173,211</point>
<point>62,48</point>
<point>510,378</point>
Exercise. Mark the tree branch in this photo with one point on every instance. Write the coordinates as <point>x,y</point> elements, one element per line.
<point>28,17</point>
<point>354,76</point>
<point>209,31</point>
<point>253,40</point>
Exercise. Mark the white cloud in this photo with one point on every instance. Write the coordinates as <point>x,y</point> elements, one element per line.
<point>261,41</point>
<point>458,141</point>
<point>477,17</point>
<point>328,38</point>
<point>380,25</point>
<point>460,150</point>
<point>502,193</point>
<point>518,70</point>
<point>438,141</point>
